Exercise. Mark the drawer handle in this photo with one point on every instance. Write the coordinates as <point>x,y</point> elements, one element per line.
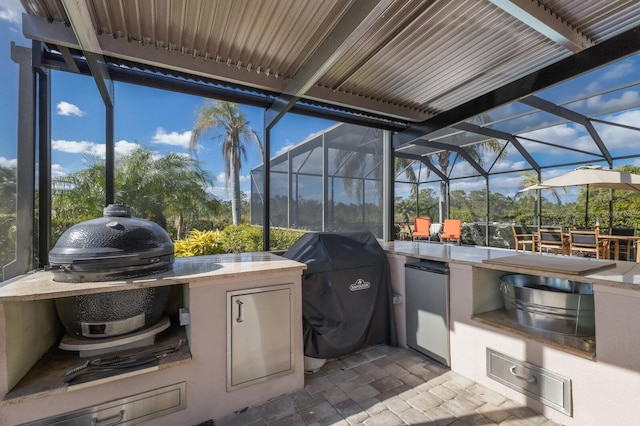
<point>530,379</point>
<point>240,311</point>
<point>110,421</point>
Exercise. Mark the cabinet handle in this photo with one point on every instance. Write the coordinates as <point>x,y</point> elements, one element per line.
<point>532,378</point>
<point>240,312</point>
<point>110,421</point>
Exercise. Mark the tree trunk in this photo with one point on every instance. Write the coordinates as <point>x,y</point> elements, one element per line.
<point>442,205</point>
<point>179,226</point>
<point>236,203</point>
<point>443,210</point>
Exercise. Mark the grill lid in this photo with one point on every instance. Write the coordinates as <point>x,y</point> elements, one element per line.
<point>115,246</point>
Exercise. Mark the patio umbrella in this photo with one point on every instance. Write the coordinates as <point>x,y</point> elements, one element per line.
<point>591,177</point>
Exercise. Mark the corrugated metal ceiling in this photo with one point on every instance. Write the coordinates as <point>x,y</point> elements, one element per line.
<point>405,59</point>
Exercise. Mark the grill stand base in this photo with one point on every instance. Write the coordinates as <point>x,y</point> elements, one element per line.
<point>94,347</point>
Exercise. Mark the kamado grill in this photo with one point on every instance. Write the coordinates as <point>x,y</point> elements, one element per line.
<point>114,247</point>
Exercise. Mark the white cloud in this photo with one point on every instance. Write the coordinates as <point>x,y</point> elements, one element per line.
<point>593,87</point>
<point>67,109</point>
<point>631,118</point>
<point>219,192</point>
<point>173,138</point>
<point>288,145</point>
<point>573,136</point>
<point>121,147</point>
<point>11,10</point>
<point>220,189</point>
<point>563,135</point>
<point>8,162</point>
<point>78,147</point>
<point>507,164</point>
<point>619,70</point>
<point>628,99</point>
<point>124,148</point>
<point>620,137</point>
<point>57,171</point>
<point>220,178</point>
<point>560,135</point>
<point>519,165</point>
<point>612,73</point>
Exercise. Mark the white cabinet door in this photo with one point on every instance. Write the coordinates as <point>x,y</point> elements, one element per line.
<point>260,326</point>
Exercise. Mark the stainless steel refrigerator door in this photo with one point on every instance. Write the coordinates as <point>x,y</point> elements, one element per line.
<point>427,310</point>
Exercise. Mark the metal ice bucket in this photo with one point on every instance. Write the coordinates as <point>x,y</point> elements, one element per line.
<point>549,304</point>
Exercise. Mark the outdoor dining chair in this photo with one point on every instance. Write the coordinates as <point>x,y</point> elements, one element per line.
<point>626,247</point>
<point>422,228</point>
<point>552,240</point>
<point>523,239</point>
<point>451,230</point>
<point>586,242</point>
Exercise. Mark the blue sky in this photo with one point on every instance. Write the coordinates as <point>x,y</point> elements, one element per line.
<point>160,120</point>
<point>163,120</point>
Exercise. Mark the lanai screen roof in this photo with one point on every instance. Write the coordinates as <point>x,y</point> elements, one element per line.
<point>442,74</point>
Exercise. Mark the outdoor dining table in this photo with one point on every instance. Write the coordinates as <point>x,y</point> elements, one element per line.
<point>615,239</point>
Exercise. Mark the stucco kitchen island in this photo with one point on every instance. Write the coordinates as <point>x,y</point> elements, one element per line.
<point>592,384</point>
<point>188,386</point>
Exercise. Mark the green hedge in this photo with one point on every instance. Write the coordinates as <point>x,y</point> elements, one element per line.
<point>233,239</point>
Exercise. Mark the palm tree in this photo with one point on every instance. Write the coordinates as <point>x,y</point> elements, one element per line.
<point>231,124</point>
<point>402,166</point>
<point>159,188</point>
<point>530,178</point>
<point>475,151</point>
<point>363,161</point>
<point>79,196</point>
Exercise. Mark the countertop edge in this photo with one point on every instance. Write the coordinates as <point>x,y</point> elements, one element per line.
<point>623,276</point>
<point>39,285</point>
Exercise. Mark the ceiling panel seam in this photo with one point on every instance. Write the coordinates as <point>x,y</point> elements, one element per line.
<point>354,23</point>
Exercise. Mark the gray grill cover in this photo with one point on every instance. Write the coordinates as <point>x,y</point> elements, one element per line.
<point>346,293</point>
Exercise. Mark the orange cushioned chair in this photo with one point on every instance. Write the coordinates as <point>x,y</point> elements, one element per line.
<point>422,228</point>
<point>451,230</point>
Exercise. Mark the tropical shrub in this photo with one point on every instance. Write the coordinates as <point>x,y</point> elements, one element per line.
<point>241,238</point>
<point>233,239</point>
<point>199,243</point>
<point>282,239</point>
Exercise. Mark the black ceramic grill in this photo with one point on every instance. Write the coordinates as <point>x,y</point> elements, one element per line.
<point>112,247</point>
<point>112,314</point>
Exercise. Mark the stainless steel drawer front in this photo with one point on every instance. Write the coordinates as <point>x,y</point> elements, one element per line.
<point>259,335</point>
<point>126,411</point>
<point>539,383</point>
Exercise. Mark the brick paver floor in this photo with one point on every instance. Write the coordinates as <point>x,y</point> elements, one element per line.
<point>387,386</point>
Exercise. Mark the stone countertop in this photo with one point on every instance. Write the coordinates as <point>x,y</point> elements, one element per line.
<point>624,275</point>
<point>40,285</point>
